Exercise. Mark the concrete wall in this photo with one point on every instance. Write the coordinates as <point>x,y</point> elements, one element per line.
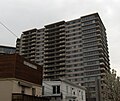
<point>28,90</point>
<point>5,90</point>
<point>48,89</point>
<point>9,86</point>
<point>69,91</point>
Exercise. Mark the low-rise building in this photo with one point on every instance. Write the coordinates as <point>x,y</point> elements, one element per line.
<point>7,49</point>
<point>20,79</point>
<point>63,90</point>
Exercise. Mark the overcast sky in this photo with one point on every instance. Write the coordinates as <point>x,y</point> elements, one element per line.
<point>21,15</point>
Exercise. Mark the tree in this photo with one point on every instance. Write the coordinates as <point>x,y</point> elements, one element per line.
<point>111,87</point>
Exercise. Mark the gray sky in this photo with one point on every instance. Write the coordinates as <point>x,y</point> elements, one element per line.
<point>21,15</point>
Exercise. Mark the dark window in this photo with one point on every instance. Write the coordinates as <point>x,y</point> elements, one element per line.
<point>73,93</point>
<point>33,91</point>
<point>56,89</point>
<point>82,95</point>
<point>23,90</point>
<point>43,88</point>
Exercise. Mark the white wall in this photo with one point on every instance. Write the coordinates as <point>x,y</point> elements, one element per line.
<point>48,90</point>
<point>70,90</point>
<point>66,89</point>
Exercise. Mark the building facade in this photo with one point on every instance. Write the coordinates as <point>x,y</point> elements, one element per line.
<point>31,45</point>
<point>63,90</point>
<point>76,50</point>
<point>7,49</point>
<point>20,79</point>
<point>54,51</point>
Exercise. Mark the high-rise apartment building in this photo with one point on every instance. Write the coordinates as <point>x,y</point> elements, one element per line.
<point>31,45</point>
<point>54,51</point>
<point>76,50</point>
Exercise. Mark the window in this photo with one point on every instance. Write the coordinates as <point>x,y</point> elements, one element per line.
<point>91,57</point>
<point>33,91</point>
<point>91,17</point>
<point>88,27</point>
<point>89,31</point>
<point>23,90</point>
<point>73,93</point>
<point>56,89</point>
<point>91,53</point>
<point>89,39</point>
<point>88,23</point>
<point>67,89</point>
<point>91,62</point>
<point>92,72</point>
<point>82,95</point>
<point>90,43</point>
<point>43,88</point>
<point>91,67</point>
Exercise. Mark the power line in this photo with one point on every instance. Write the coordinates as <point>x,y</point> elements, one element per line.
<point>8,29</point>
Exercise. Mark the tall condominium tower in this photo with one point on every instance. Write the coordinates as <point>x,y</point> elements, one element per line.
<point>54,51</point>
<point>31,45</point>
<point>75,50</point>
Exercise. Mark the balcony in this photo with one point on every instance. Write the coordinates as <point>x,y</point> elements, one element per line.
<point>49,70</point>
<point>62,33</point>
<point>49,48</point>
<point>47,66</point>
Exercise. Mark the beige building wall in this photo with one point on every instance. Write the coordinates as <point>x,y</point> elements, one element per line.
<point>38,90</point>
<point>9,86</point>
<point>5,90</point>
<point>16,88</point>
<point>28,90</point>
